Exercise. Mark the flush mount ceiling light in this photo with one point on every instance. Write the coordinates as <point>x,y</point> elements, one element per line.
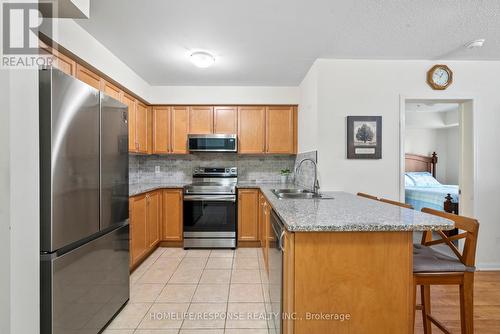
<point>478,43</point>
<point>202,59</point>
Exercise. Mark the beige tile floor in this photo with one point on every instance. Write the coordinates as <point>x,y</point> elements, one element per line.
<point>197,291</point>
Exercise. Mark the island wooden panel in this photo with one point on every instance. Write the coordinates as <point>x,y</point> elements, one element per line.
<point>367,275</point>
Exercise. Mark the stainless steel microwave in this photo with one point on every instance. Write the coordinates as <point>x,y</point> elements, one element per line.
<point>213,143</point>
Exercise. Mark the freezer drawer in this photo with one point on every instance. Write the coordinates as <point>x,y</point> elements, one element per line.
<point>83,289</point>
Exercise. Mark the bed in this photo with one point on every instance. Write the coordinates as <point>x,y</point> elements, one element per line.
<point>423,190</point>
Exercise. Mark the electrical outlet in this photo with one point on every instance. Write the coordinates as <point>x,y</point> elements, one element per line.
<point>157,169</point>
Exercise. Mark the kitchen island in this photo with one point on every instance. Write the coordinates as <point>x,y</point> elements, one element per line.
<point>347,263</point>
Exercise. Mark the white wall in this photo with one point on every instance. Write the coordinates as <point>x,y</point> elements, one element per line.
<point>24,202</point>
<point>444,142</point>
<point>366,87</point>
<point>223,95</point>
<point>308,111</point>
<point>4,202</point>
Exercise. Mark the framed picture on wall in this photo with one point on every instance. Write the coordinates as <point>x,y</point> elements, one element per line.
<point>364,137</point>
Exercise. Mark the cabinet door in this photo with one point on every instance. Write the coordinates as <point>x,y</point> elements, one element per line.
<point>201,120</point>
<point>138,234</point>
<point>226,120</point>
<point>89,77</point>
<point>161,130</point>
<point>153,222</point>
<point>132,124</point>
<point>111,90</point>
<point>172,215</point>
<point>248,201</point>
<point>280,129</point>
<point>64,63</point>
<point>180,127</point>
<point>141,119</point>
<point>251,129</point>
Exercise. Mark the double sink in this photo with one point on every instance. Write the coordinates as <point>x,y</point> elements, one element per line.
<point>298,193</point>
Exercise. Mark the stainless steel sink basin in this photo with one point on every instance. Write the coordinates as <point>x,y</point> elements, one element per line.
<point>297,194</point>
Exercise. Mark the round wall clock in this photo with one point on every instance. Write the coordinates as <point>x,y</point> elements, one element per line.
<point>439,77</point>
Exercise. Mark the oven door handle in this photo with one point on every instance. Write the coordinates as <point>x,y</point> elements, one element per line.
<point>211,198</point>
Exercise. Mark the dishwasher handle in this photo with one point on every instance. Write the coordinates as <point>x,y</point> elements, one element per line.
<point>278,229</point>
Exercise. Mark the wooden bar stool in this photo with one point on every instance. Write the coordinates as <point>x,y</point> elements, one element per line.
<point>403,205</point>
<point>432,266</point>
<point>367,196</point>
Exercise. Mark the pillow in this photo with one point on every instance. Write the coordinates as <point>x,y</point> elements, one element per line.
<point>423,179</point>
<point>409,181</point>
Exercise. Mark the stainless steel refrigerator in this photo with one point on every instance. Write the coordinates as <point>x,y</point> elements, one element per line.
<point>84,230</point>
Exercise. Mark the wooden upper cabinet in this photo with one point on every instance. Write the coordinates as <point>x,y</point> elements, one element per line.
<point>153,221</point>
<point>89,77</point>
<point>64,63</point>
<point>280,129</point>
<point>172,215</point>
<point>201,120</point>
<point>251,129</point>
<point>138,228</point>
<point>226,120</point>
<point>161,130</point>
<point>248,220</point>
<point>180,128</point>
<point>141,119</point>
<point>111,90</point>
<point>131,104</point>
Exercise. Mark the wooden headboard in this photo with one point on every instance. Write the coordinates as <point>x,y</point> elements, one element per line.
<point>421,163</point>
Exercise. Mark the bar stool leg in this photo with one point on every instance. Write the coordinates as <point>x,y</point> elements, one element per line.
<point>414,303</point>
<point>426,308</point>
<point>467,304</point>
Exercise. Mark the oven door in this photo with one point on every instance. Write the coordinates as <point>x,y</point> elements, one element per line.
<point>212,143</point>
<point>209,213</point>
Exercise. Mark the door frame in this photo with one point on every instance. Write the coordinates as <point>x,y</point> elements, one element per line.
<point>466,98</point>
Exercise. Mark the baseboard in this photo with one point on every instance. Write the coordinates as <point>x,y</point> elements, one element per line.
<point>171,244</point>
<point>488,266</point>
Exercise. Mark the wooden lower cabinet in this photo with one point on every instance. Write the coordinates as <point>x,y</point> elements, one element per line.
<point>145,219</point>
<point>138,228</point>
<point>153,222</point>
<point>248,220</point>
<point>172,215</point>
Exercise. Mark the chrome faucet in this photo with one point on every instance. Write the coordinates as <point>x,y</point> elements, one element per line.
<point>316,182</point>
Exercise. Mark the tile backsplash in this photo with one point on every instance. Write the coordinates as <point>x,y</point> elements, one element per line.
<point>179,168</point>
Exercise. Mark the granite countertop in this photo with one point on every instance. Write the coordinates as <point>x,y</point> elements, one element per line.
<point>343,213</point>
<point>139,188</point>
<point>347,212</point>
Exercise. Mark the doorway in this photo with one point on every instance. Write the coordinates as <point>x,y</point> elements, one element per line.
<point>437,160</point>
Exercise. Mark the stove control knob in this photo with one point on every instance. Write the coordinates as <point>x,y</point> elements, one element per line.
<point>227,170</point>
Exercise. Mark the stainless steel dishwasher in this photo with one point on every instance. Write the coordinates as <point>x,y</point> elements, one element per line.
<point>276,271</point>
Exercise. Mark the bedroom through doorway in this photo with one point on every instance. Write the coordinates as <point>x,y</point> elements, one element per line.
<point>437,155</point>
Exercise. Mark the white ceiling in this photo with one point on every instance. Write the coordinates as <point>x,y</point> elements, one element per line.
<point>274,43</point>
